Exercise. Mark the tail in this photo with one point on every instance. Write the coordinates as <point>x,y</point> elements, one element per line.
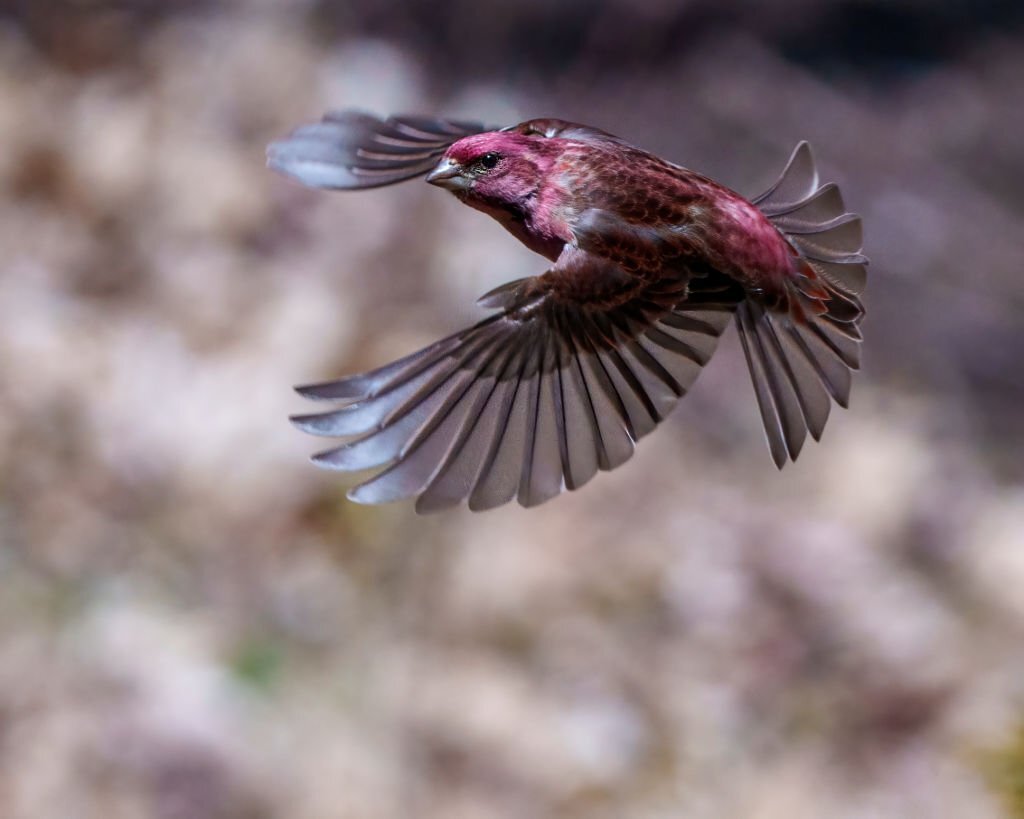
<point>801,351</point>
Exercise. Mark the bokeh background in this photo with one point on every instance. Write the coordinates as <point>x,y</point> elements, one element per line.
<point>194,622</point>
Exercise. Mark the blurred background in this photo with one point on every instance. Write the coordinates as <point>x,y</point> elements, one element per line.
<point>195,623</point>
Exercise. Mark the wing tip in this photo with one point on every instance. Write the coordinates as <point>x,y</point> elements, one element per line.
<point>307,423</point>
<point>346,389</point>
<point>355,496</point>
<point>323,460</point>
<point>342,422</point>
<point>278,161</point>
<point>379,489</point>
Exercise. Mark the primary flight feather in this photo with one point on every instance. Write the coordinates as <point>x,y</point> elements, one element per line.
<point>650,262</point>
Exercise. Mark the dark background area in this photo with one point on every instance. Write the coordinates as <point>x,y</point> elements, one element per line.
<point>194,622</point>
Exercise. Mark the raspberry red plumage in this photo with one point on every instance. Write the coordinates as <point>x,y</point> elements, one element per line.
<point>650,262</point>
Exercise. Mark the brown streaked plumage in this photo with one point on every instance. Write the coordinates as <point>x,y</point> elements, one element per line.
<point>650,262</point>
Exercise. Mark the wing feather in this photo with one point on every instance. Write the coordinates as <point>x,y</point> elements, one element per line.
<point>527,403</point>
<point>350,150</point>
<point>502,471</point>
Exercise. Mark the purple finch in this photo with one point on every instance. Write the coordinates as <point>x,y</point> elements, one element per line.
<point>650,262</point>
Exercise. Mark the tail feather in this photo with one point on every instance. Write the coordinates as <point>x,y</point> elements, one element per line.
<point>800,354</point>
<point>776,392</point>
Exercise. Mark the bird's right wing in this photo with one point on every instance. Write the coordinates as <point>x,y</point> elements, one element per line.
<point>352,150</point>
<point>532,400</point>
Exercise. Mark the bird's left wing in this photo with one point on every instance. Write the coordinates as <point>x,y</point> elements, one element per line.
<point>351,150</point>
<point>558,384</point>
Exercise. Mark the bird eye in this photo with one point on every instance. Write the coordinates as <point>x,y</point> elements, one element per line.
<point>489,160</point>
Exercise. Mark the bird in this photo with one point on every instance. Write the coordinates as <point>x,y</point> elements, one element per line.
<point>649,262</point>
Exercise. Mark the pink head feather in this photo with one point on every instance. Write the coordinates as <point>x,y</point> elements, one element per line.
<point>521,164</point>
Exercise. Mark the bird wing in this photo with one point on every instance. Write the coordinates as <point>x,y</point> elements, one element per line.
<point>638,241</point>
<point>350,150</point>
<point>560,383</point>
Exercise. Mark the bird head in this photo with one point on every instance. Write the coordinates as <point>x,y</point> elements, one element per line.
<point>495,168</point>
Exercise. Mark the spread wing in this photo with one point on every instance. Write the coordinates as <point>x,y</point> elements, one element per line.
<point>537,398</point>
<point>352,150</point>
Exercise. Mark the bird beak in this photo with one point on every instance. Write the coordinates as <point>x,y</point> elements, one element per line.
<point>448,175</point>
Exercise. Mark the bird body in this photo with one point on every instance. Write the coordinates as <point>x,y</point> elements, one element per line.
<point>650,261</point>
<point>558,184</point>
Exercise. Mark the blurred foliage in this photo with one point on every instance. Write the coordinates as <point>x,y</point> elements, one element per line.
<point>258,662</point>
<point>1005,770</point>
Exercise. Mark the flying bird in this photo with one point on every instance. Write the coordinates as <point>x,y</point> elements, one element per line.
<point>649,262</point>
